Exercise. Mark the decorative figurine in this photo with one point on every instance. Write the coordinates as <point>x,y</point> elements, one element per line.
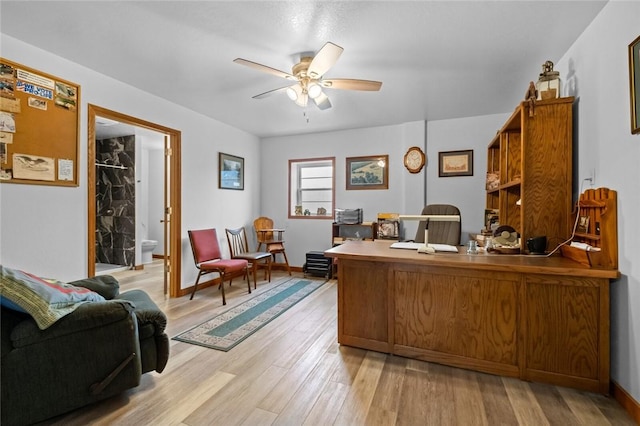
<point>531,96</point>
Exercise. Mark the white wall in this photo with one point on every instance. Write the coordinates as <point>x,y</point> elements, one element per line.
<point>43,229</point>
<point>465,192</point>
<point>405,193</point>
<point>596,72</point>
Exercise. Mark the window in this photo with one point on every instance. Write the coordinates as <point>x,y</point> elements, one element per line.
<point>311,188</point>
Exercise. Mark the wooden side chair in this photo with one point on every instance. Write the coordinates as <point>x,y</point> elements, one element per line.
<point>239,249</point>
<point>272,239</point>
<point>207,256</point>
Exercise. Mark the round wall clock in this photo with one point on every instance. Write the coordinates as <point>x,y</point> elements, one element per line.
<point>414,159</point>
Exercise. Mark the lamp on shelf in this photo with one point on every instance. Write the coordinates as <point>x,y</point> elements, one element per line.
<point>548,85</point>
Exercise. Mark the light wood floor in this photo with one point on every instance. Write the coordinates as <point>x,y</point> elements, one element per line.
<point>293,372</point>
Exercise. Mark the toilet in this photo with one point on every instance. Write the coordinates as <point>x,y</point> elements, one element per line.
<point>147,250</point>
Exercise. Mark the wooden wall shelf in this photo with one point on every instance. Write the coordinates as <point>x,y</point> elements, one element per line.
<point>600,207</point>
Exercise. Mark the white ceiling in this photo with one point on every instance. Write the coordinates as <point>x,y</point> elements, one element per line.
<point>436,59</point>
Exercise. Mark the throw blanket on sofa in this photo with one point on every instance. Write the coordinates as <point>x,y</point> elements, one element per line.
<point>45,300</point>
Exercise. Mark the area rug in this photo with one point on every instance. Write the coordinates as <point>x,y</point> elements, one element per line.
<point>229,328</point>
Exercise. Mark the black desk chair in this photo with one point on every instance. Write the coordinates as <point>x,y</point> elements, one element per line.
<point>440,232</point>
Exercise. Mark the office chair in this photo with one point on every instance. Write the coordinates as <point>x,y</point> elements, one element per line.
<point>445,232</point>
<point>207,256</point>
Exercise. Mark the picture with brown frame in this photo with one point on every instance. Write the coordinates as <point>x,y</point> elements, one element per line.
<point>370,172</point>
<point>455,163</point>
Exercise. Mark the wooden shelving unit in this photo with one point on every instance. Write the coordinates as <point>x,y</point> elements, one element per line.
<point>532,154</point>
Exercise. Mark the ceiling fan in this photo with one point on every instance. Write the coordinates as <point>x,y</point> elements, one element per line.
<point>308,77</point>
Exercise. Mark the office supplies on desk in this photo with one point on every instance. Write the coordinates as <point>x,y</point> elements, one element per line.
<point>415,246</point>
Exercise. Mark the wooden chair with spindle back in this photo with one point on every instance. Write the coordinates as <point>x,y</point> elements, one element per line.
<point>239,248</point>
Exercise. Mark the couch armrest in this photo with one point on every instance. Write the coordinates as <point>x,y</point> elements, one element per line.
<point>105,285</point>
<point>146,310</point>
<point>87,316</point>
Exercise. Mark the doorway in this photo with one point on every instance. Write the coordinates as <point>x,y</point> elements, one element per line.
<point>169,149</point>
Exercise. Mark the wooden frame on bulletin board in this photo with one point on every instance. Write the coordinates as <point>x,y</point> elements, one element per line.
<point>39,127</point>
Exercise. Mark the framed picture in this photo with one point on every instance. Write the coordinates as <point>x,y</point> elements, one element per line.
<point>634,82</point>
<point>583,225</point>
<point>370,172</point>
<point>231,172</point>
<point>455,163</point>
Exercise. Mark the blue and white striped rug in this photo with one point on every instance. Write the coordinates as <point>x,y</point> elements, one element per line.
<point>229,328</point>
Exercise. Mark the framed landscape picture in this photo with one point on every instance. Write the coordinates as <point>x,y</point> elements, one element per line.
<point>371,172</point>
<point>634,83</point>
<point>231,172</point>
<point>455,163</point>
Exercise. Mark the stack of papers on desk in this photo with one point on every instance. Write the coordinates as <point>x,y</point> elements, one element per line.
<point>414,246</point>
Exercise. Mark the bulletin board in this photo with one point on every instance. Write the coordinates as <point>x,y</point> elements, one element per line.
<point>39,127</point>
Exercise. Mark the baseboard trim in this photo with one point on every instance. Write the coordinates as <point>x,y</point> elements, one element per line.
<point>628,403</point>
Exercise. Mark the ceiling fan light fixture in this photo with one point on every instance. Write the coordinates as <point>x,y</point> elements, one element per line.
<point>314,90</point>
<point>308,76</point>
<point>291,93</point>
<point>302,100</point>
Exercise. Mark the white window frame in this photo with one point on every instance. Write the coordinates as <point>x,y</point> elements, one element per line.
<point>296,190</point>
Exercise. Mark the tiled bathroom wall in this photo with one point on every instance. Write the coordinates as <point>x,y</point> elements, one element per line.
<point>115,201</point>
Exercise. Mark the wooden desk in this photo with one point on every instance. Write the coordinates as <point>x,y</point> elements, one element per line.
<point>532,317</point>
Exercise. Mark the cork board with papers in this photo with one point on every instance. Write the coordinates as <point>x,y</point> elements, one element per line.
<point>39,127</point>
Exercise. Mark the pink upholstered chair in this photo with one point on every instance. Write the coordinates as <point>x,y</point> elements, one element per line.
<point>207,256</point>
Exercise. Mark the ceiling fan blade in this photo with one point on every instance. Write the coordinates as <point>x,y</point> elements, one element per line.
<point>322,102</point>
<point>264,68</point>
<point>270,92</point>
<point>351,84</point>
<point>324,59</point>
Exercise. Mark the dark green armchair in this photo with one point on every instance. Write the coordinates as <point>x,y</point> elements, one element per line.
<point>97,351</point>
